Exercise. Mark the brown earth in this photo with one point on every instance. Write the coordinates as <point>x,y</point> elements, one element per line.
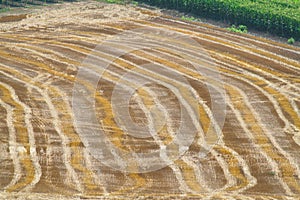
<point>253,154</point>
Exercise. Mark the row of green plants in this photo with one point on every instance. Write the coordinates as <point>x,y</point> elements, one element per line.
<point>280,17</point>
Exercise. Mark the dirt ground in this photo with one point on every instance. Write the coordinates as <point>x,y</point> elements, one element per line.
<point>105,101</point>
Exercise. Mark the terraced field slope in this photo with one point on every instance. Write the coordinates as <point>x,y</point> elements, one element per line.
<point>108,101</point>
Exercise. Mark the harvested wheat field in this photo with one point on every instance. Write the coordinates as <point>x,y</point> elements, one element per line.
<point>103,101</point>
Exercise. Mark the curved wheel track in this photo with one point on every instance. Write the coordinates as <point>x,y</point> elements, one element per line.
<point>43,155</point>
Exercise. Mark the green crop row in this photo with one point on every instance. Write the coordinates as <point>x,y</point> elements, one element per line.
<point>280,17</point>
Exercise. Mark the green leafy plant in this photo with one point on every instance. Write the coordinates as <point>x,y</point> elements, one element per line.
<point>135,3</point>
<point>272,173</point>
<point>4,9</point>
<point>239,29</point>
<point>188,18</point>
<point>125,2</point>
<point>112,1</point>
<point>291,41</point>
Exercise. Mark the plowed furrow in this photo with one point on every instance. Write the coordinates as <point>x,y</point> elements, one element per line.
<point>232,168</point>
<point>45,97</point>
<point>296,182</point>
<point>205,39</point>
<point>25,142</point>
<point>75,143</point>
<point>11,160</point>
<point>268,45</point>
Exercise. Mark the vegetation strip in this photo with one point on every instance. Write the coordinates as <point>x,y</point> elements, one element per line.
<point>278,17</point>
